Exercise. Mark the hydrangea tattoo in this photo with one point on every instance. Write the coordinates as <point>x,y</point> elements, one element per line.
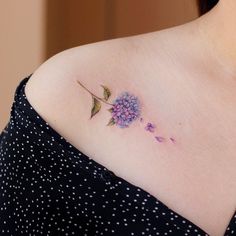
<point>125,108</point>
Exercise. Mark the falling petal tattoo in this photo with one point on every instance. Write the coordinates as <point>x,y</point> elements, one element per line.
<point>150,127</point>
<point>159,138</point>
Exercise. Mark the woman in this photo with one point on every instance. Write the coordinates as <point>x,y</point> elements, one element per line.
<point>129,136</point>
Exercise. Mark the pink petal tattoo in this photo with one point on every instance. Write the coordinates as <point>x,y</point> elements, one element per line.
<point>150,127</point>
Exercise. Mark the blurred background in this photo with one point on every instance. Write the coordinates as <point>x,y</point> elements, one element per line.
<point>33,31</point>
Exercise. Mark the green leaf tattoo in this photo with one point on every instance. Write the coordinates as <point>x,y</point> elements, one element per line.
<point>110,109</point>
<point>96,107</point>
<point>106,92</point>
<point>111,122</point>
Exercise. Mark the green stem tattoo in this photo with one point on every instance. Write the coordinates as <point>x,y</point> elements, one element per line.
<point>101,99</point>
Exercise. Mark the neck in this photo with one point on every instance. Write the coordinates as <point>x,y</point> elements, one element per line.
<point>218,32</point>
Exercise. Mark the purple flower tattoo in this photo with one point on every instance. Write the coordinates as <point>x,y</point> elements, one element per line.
<point>125,108</point>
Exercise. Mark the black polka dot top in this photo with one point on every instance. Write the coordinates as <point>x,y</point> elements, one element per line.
<point>49,187</point>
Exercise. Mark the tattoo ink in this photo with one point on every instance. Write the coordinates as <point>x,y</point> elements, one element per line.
<point>150,127</point>
<point>172,140</point>
<point>159,138</point>
<point>125,108</point>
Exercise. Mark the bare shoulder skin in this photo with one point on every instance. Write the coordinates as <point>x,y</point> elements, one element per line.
<point>176,136</point>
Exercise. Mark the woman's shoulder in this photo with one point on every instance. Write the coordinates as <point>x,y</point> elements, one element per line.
<point>63,89</point>
<point>85,62</point>
<point>108,61</point>
<point>139,64</point>
<point>66,104</point>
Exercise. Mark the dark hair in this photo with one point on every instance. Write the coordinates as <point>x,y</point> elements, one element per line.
<point>206,5</point>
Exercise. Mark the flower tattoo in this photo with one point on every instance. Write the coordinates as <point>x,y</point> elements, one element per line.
<point>125,108</point>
